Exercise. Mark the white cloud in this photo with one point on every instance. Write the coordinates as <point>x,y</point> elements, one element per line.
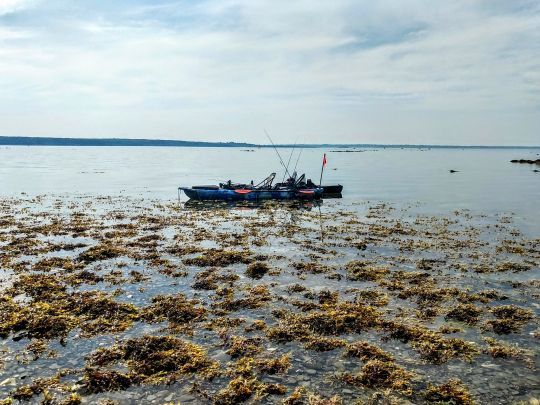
<point>11,6</point>
<point>454,72</point>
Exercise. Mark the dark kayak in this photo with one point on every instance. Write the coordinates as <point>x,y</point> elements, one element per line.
<point>223,194</point>
<point>335,189</point>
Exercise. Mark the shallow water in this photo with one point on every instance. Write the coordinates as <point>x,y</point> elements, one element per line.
<point>486,180</point>
<point>487,202</point>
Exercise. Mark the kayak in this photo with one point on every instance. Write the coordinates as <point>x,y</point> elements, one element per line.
<point>223,194</point>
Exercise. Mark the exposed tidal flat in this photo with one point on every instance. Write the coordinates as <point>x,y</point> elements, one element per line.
<point>138,300</point>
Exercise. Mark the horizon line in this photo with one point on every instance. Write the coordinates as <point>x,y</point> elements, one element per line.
<point>7,140</point>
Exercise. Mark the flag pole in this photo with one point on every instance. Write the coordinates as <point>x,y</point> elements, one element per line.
<point>322,169</point>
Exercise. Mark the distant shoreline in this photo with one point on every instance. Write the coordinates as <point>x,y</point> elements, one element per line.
<point>54,141</point>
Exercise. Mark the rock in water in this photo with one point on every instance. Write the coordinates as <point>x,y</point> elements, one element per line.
<point>528,161</point>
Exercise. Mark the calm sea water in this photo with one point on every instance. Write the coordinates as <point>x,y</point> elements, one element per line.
<point>486,181</point>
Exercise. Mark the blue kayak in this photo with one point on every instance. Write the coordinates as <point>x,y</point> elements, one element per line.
<point>225,194</point>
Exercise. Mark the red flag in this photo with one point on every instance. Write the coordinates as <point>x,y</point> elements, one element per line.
<point>324,160</point>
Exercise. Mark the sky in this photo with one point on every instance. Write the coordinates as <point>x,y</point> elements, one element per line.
<point>342,71</point>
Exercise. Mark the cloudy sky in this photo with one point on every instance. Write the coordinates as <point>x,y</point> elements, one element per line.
<point>391,71</point>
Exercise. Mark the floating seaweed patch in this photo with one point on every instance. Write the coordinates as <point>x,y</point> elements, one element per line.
<point>498,349</point>
<point>510,318</point>
<point>241,389</point>
<point>150,359</point>
<point>451,392</point>
<point>323,344</point>
<point>311,267</point>
<point>302,396</point>
<point>257,270</point>
<point>219,258</point>
<point>366,351</point>
<point>176,309</point>
<point>364,271</point>
<point>242,346</point>
<point>51,263</point>
<point>432,346</point>
<point>102,251</point>
<point>382,374</point>
<point>467,313</point>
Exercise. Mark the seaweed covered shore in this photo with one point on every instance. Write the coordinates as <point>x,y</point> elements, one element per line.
<point>126,300</point>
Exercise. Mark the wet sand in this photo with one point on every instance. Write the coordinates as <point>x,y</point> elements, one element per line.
<point>135,300</point>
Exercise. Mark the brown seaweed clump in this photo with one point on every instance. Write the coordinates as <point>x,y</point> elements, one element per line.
<point>219,258</point>
<point>334,320</point>
<point>242,388</point>
<point>37,387</point>
<point>372,297</point>
<point>98,313</point>
<point>432,346</point>
<point>499,349</point>
<point>510,318</point>
<point>242,346</point>
<point>362,271</point>
<point>467,313</point>
<point>277,365</point>
<point>451,392</point>
<point>382,374</point>
<point>311,267</point>
<point>176,309</point>
<point>102,251</point>
<point>98,380</point>
<point>257,270</point>
<point>150,359</point>
<point>301,396</point>
<point>324,344</point>
<point>366,351</point>
<point>51,263</point>
<point>209,279</point>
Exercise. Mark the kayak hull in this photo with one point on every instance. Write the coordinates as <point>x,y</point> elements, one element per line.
<point>334,189</point>
<point>222,194</point>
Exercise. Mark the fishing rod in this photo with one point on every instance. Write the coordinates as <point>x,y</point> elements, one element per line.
<point>290,156</point>
<point>297,160</point>
<point>280,159</point>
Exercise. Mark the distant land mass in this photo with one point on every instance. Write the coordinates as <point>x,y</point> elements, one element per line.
<point>56,141</point>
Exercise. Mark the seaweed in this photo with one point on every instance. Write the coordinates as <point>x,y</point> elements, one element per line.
<point>99,252</point>
<point>302,396</point>
<point>498,349</point>
<point>451,392</point>
<point>431,345</point>
<point>51,263</point>
<point>242,346</point>
<point>382,374</point>
<point>328,297</point>
<point>83,277</point>
<point>311,267</point>
<point>38,286</point>
<point>71,399</point>
<point>257,270</point>
<point>150,359</point>
<point>510,318</point>
<point>372,297</point>
<point>467,313</point>
<point>176,309</point>
<point>102,380</point>
<point>323,344</point>
<point>363,271</point>
<point>277,365</point>
<point>366,351</point>
<point>242,388</point>
<point>219,258</point>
